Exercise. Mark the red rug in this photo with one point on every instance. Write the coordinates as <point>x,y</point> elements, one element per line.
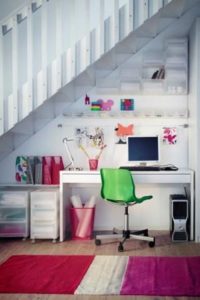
<point>43,274</point>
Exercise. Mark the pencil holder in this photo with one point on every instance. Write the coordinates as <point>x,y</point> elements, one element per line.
<point>93,164</point>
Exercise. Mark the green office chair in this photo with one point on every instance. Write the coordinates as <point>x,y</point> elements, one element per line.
<point>118,187</point>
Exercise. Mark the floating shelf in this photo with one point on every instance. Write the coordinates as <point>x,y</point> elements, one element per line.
<point>130,114</point>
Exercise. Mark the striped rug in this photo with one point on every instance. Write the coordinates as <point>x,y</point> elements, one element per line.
<point>101,275</point>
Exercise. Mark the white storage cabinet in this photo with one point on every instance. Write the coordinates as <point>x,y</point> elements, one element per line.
<point>14,214</point>
<point>136,77</point>
<point>45,214</point>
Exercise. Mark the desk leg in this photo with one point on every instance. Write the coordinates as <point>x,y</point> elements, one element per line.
<point>65,193</point>
<point>61,211</point>
<point>192,207</point>
<point>190,195</point>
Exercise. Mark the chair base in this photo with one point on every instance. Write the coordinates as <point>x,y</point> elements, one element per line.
<point>125,235</point>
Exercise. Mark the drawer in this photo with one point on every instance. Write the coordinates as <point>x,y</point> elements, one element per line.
<point>42,223</point>
<point>45,230</point>
<point>14,229</point>
<point>43,215</point>
<point>42,195</point>
<point>14,198</point>
<point>44,235</point>
<point>13,214</point>
<point>44,204</point>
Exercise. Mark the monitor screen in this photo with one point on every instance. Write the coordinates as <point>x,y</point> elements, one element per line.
<point>143,149</point>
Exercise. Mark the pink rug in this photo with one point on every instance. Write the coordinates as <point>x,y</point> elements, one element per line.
<point>162,276</point>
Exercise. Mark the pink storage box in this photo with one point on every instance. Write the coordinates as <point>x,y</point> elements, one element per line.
<point>82,222</point>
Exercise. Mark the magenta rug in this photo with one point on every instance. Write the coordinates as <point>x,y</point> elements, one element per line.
<point>101,275</point>
<point>162,276</point>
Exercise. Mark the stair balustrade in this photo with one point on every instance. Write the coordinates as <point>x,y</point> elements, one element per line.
<point>34,60</point>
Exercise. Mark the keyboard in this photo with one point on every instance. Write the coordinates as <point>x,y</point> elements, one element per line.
<point>141,168</point>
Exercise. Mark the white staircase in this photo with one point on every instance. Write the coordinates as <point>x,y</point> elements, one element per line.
<point>34,92</point>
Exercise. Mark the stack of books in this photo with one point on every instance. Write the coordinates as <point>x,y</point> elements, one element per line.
<point>159,74</point>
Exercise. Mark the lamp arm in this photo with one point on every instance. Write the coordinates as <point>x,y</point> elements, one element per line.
<point>65,141</point>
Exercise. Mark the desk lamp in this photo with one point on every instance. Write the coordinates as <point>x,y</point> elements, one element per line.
<point>65,141</point>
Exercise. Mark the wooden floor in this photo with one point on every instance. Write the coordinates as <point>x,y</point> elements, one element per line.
<point>163,247</point>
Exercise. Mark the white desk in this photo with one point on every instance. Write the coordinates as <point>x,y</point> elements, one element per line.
<point>182,176</point>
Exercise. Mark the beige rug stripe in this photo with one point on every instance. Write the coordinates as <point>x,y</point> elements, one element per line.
<point>104,276</point>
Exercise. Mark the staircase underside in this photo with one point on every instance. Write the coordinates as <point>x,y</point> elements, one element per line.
<point>172,21</point>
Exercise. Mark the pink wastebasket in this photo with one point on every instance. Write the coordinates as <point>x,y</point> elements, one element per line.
<point>82,223</point>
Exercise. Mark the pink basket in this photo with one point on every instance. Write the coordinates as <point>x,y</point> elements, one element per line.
<point>82,222</point>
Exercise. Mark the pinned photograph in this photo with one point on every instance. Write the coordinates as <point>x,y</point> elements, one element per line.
<point>127,104</point>
<point>169,135</point>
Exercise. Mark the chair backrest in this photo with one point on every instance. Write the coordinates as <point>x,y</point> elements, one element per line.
<point>117,185</point>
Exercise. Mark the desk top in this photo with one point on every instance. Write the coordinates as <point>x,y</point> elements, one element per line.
<point>179,176</point>
<point>88,172</point>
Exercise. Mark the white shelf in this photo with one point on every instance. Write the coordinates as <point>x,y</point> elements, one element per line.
<point>130,87</point>
<point>176,65</point>
<point>153,85</point>
<point>182,115</point>
<point>138,79</point>
<point>22,186</point>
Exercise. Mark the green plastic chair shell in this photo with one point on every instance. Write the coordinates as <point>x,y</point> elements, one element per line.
<point>118,187</point>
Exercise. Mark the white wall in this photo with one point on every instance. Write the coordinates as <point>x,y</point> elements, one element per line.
<point>194,123</point>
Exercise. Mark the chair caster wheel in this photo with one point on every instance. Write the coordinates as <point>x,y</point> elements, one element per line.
<point>152,244</point>
<point>120,247</point>
<point>97,242</point>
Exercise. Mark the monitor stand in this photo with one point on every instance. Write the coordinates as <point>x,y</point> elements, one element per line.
<point>143,164</point>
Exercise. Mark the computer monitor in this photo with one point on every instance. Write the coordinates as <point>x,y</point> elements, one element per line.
<point>143,149</point>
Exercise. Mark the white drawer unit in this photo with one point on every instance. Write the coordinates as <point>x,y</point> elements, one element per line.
<point>45,214</point>
<point>14,214</point>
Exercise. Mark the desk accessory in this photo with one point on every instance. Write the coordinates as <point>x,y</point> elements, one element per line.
<point>93,162</point>
<point>71,158</point>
